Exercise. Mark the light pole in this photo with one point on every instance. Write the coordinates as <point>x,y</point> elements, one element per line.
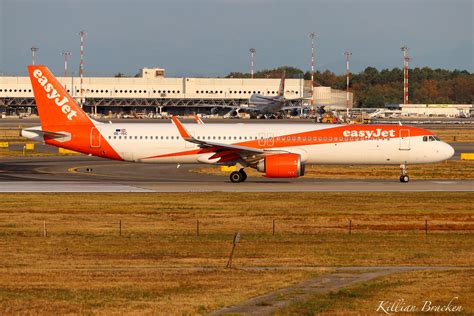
<point>33,53</point>
<point>312,36</point>
<point>66,54</point>
<point>348,56</point>
<point>81,65</point>
<point>252,61</point>
<point>405,74</point>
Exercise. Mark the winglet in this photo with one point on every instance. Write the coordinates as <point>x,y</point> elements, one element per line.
<point>198,119</point>
<point>182,130</point>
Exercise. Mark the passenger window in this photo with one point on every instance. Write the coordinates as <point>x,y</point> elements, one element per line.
<point>325,138</point>
<point>330,138</point>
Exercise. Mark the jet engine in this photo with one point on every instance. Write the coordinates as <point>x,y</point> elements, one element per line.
<point>281,166</point>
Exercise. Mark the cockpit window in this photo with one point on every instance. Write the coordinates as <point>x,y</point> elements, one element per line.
<point>431,139</point>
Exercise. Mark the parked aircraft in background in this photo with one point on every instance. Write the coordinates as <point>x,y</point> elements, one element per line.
<point>260,106</point>
<point>277,150</point>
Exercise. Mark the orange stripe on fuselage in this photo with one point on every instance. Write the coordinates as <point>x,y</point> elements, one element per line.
<point>332,135</point>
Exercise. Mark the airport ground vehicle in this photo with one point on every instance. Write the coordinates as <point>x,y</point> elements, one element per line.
<point>278,150</point>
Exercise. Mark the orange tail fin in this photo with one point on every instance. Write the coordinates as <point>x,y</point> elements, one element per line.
<point>55,105</point>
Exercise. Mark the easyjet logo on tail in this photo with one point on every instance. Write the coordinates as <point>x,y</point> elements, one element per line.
<point>377,133</point>
<point>52,93</point>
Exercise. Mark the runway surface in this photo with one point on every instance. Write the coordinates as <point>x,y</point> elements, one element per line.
<point>90,174</point>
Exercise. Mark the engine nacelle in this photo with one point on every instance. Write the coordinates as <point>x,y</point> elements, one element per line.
<point>281,166</point>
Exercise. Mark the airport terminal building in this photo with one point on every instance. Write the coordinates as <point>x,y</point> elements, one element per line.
<point>152,92</point>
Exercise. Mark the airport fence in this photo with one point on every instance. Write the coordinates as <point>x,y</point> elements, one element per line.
<point>208,226</point>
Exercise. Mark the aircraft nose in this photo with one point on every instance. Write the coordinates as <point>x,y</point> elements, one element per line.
<point>447,151</point>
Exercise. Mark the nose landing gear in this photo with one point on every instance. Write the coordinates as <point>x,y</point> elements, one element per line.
<point>238,176</point>
<point>404,178</point>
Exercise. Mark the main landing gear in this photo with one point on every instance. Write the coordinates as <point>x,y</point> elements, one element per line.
<point>404,174</point>
<point>238,176</point>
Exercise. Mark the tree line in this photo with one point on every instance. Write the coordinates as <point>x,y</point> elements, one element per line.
<point>374,88</point>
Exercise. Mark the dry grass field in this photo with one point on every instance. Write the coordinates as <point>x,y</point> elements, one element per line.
<point>5,153</point>
<point>439,288</point>
<point>455,134</point>
<point>158,265</point>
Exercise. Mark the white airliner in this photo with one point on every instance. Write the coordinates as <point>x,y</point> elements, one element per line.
<point>277,150</point>
<point>261,106</point>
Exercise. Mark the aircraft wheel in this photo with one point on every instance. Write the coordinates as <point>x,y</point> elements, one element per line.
<point>244,175</point>
<point>404,178</point>
<point>236,177</point>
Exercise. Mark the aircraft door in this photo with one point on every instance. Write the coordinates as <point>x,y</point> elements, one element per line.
<point>270,140</point>
<point>95,138</point>
<point>261,139</point>
<point>404,139</point>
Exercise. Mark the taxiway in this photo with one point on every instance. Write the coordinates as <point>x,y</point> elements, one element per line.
<point>90,174</point>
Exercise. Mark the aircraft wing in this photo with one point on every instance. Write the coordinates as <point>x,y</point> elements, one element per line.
<point>225,152</point>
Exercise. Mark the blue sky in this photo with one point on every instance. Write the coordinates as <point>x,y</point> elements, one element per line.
<point>213,37</point>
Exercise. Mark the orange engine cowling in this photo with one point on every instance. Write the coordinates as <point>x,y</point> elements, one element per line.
<point>281,166</point>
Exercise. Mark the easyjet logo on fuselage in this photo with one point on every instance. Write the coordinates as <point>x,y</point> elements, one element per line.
<point>51,93</point>
<point>369,134</point>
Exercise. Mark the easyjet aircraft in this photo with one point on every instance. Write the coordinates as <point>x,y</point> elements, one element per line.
<point>278,150</point>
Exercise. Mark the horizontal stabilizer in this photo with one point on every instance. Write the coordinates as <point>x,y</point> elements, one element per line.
<point>38,134</point>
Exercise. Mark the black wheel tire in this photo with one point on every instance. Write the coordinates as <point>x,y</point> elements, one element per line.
<point>236,177</point>
<point>404,179</point>
<point>244,175</point>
